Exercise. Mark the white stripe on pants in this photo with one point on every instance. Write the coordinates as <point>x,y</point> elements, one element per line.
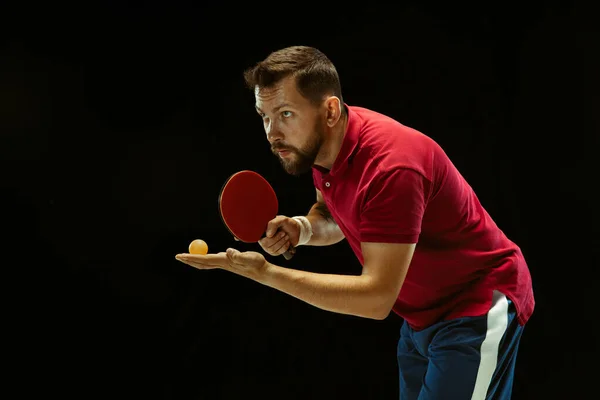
<point>497,322</point>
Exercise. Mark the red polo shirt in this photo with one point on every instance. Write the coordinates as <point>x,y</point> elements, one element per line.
<point>391,183</point>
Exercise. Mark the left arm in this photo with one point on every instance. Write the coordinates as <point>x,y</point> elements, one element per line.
<point>370,295</point>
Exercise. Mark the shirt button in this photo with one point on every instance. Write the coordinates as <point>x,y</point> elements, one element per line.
<point>327,184</point>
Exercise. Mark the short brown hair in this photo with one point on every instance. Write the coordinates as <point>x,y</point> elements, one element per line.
<point>315,75</point>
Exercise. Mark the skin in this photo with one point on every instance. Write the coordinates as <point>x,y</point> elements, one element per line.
<point>312,135</point>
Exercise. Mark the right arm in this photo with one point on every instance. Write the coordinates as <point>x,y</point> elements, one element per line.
<point>325,230</point>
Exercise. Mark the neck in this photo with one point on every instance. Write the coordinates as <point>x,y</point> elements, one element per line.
<point>333,143</point>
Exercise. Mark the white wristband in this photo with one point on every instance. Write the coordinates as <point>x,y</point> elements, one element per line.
<point>305,230</point>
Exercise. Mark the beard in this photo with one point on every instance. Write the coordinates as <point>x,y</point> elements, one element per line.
<point>301,160</point>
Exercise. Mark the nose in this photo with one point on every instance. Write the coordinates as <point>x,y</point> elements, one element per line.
<point>273,134</point>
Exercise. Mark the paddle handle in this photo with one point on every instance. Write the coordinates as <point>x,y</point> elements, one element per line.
<point>290,253</point>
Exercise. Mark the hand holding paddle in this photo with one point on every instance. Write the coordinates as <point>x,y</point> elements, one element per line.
<point>281,236</point>
<point>248,206</point>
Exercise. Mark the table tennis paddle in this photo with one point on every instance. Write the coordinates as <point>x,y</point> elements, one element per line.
<point>247,203</point>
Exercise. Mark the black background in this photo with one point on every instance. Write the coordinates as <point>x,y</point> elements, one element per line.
<point>119,122</point>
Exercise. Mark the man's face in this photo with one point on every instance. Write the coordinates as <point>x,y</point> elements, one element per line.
<point>294,126</point>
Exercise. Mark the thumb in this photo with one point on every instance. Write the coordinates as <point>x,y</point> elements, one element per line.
<point>273,225</point>
<point>232,254</point>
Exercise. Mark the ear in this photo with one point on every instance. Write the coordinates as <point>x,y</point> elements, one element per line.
<point>333,107</point>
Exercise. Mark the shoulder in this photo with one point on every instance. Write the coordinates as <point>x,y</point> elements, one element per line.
<point>385,144</point>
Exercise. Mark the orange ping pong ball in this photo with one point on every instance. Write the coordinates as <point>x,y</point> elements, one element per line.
<point>198,246</point>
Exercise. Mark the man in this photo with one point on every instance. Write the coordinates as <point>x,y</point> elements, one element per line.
<point>428,249</point>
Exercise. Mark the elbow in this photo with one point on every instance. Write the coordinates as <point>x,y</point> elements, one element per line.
<point>381,301</point>
<point>383,307</point>
<point>381,314</point>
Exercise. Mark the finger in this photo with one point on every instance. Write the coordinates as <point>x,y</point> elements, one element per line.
<point>267,243</point>
<point>232,254</point>
<point>201,266</point>
<point>234,257</point>
<point>275,245</point>
<point>273,225</point>
<point>214,257</point>
<point>199,260</point>
<point>281,238</point>
<point>285,244</point>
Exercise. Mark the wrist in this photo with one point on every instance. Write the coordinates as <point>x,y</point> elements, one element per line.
<point>306,231</point>
<point>262,275</point>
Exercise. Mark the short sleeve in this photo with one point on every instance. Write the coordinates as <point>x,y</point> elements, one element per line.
<point>393,208</point>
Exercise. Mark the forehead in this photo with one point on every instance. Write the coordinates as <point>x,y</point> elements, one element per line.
<point>283,92</point>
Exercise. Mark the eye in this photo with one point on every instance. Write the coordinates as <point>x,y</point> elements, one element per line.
<point>286,114</point>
